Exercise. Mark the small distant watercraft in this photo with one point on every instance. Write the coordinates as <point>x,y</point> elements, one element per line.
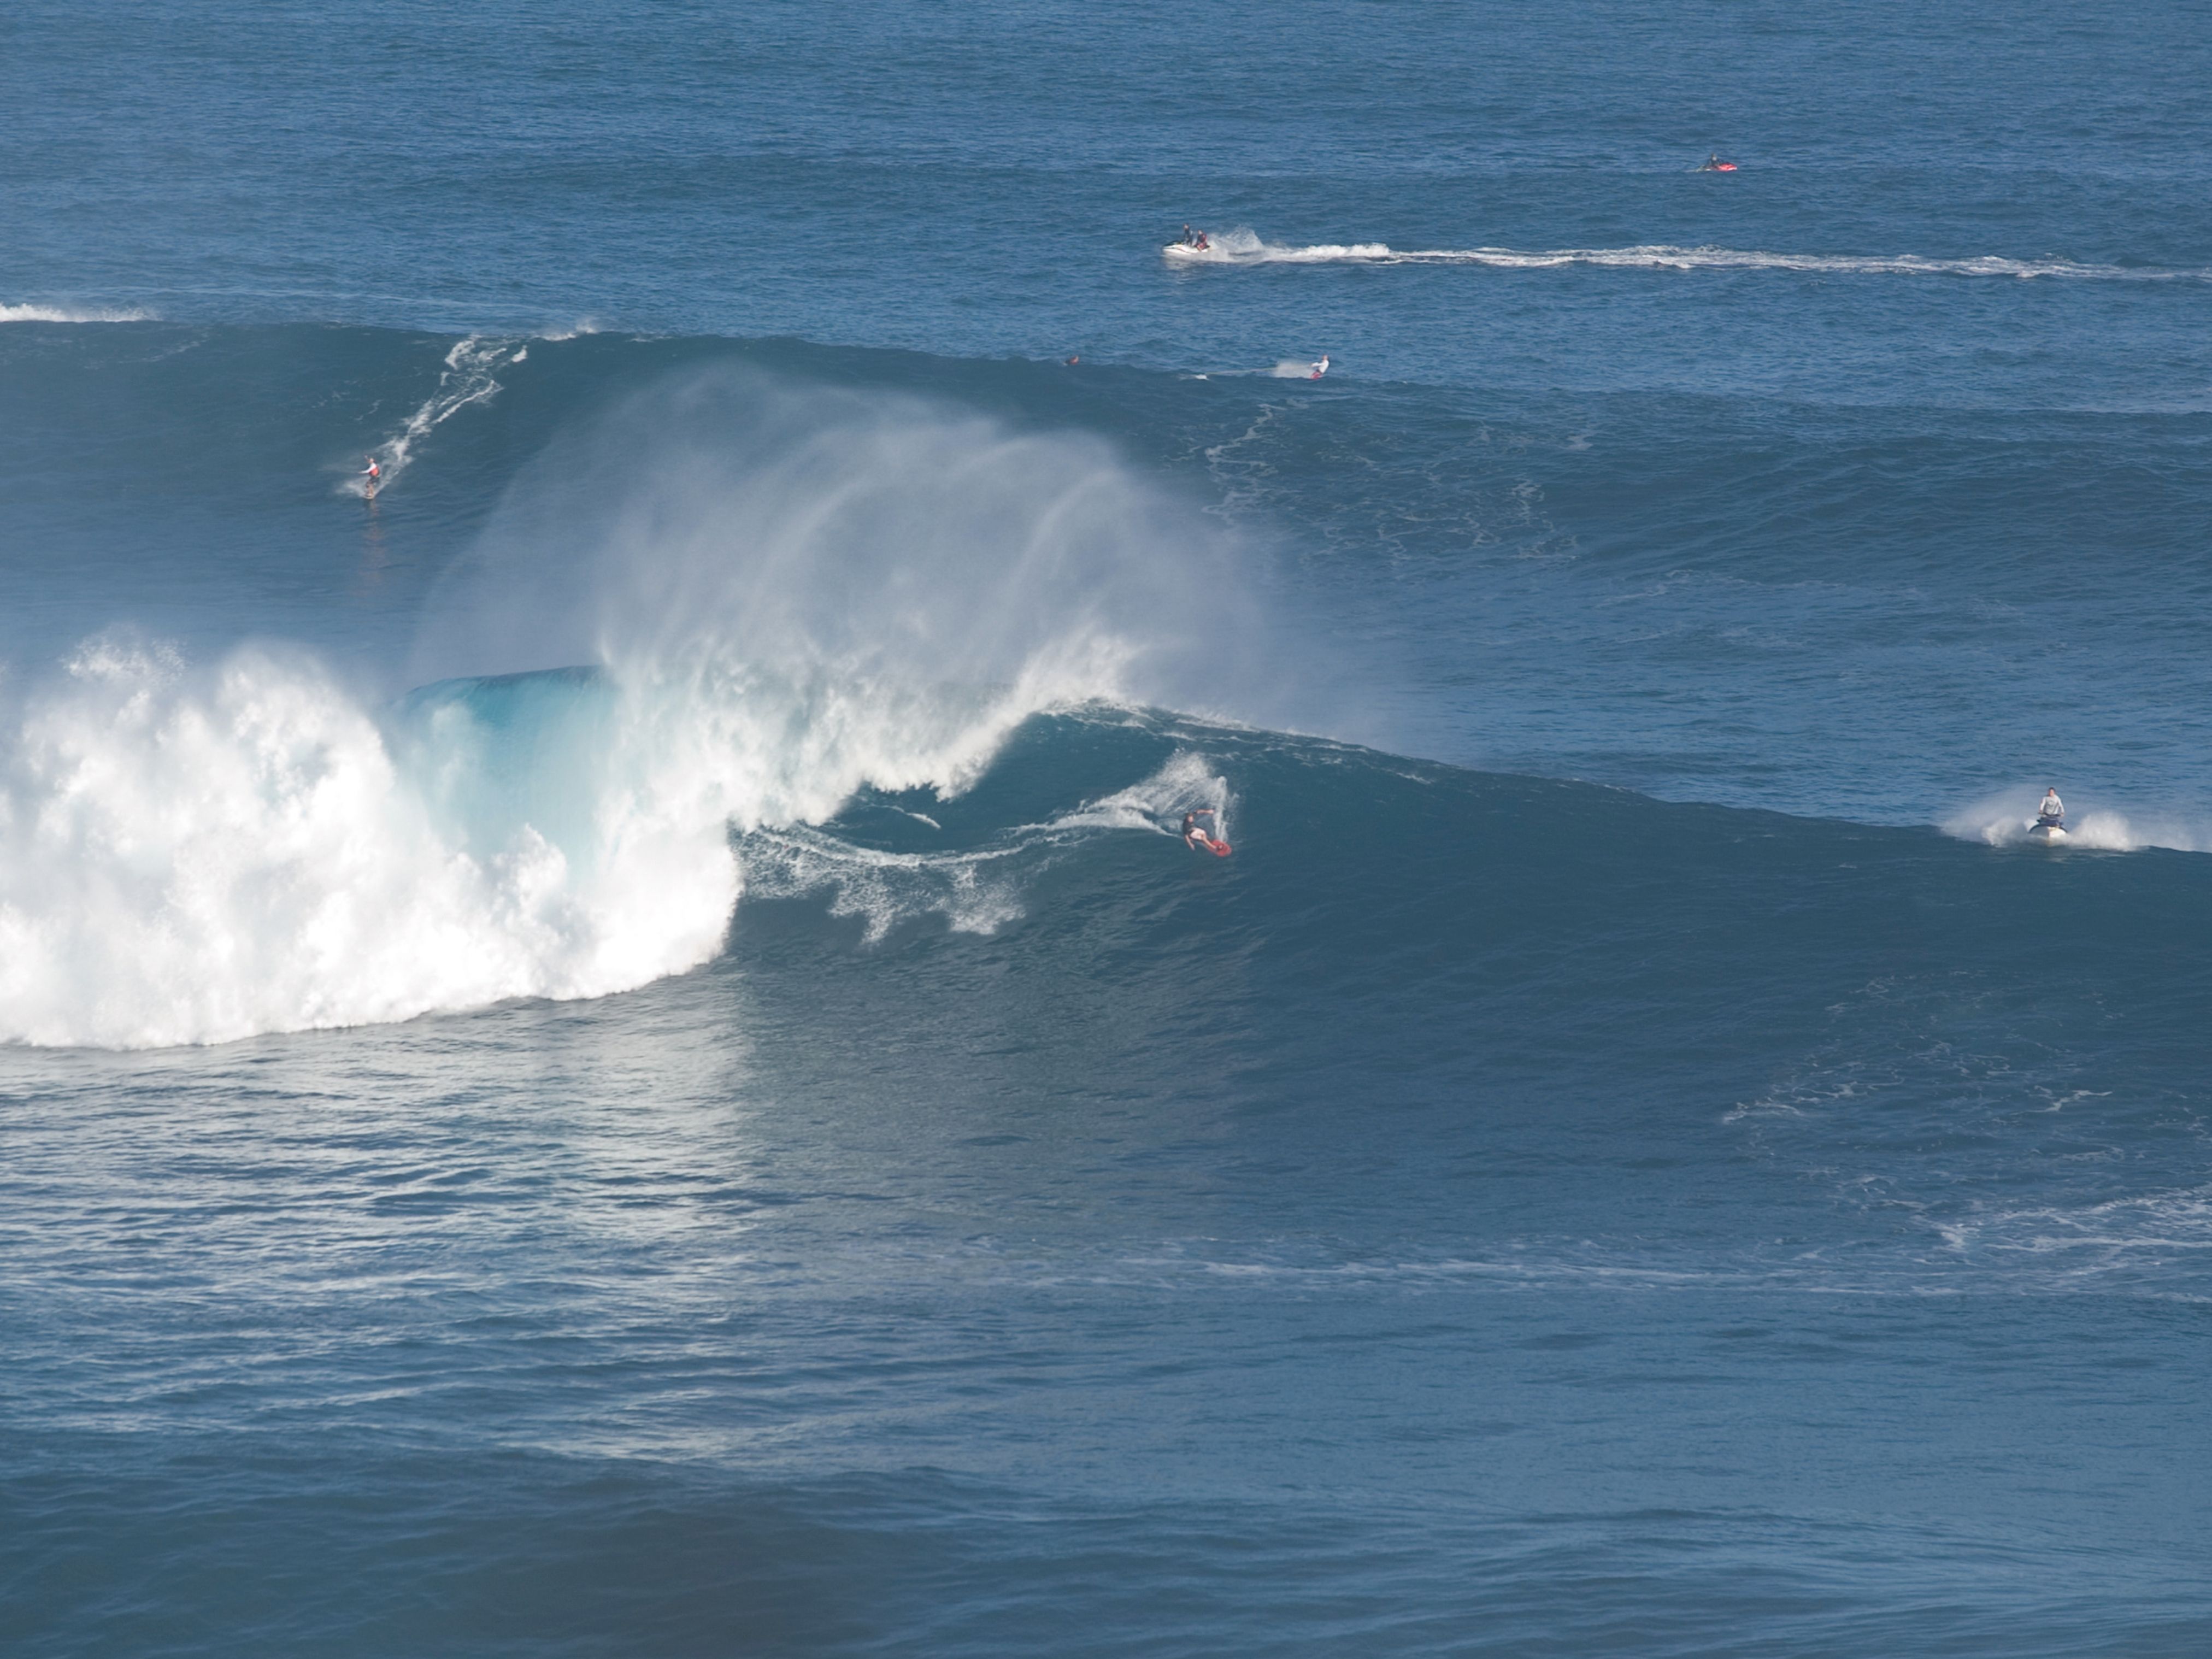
<point>1714,164</point>
<point>2048,832</point>
<point>1194,245</point>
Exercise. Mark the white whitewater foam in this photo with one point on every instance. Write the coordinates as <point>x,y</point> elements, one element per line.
<point>191,859</point>
<point>1245,247</point>
<point>68,314</point>
<point>976,892</point>
<point>2131,1236</point>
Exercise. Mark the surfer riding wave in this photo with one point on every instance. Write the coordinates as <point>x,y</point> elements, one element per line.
<point>1202,832</point>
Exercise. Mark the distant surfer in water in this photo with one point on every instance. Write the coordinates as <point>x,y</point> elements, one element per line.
<point>1200,831</point>
<point>2051,814</point>
<point>373,476</point>
<point>1320,368</point>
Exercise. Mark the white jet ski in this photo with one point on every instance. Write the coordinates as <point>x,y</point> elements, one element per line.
<point>2048,832</point>
<point>1196,248</point>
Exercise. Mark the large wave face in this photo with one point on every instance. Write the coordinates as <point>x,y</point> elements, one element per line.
<point>728,604</point>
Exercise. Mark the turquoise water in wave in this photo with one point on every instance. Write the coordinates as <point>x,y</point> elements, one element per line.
<point>613,1051</point>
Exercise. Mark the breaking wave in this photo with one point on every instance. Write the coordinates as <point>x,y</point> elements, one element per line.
<point>723,610</point>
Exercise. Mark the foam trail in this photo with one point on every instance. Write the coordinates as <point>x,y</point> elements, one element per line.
<point>466,379</point>
<point>779,596</point>
<point>1244,247</point>
<point>975,891</point>
<point>1185,782</point>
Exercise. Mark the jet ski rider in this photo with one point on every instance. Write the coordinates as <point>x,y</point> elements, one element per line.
<point>1193,238</point>
<point>2051,814</point>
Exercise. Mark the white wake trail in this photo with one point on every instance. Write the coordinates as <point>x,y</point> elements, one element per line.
<point>1244,247</point>
<point>468,377</point>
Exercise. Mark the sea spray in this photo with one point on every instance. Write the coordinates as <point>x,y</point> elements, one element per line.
<point>729,521</point>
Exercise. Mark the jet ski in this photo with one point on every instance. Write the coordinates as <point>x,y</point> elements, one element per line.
<point>1194,245</point>
<point>1714,164</point>
<point>2048,832</point>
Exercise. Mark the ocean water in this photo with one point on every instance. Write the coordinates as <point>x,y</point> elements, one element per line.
<point>611,1049</point>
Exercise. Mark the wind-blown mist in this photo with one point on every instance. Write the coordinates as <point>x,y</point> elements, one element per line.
<point>871,537</point>
<point>730,603</point>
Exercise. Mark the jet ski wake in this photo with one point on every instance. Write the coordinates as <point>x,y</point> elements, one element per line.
<point>1244,247</point>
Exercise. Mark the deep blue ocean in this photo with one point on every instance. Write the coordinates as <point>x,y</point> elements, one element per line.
<point>611,1047</point>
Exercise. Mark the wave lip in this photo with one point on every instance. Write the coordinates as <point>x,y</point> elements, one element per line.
<point>1245,247</point>
<point>36,314</point>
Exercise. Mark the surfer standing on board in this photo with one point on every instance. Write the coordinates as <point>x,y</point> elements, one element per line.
<point>373,476</point>
<point>1320,368</point>
<point>1198,831</point>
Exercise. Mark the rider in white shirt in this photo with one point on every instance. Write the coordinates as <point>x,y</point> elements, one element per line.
<point>2052,811</point>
